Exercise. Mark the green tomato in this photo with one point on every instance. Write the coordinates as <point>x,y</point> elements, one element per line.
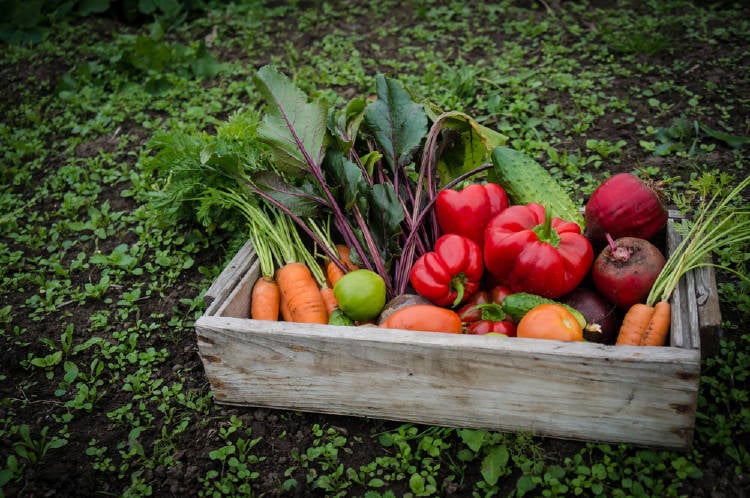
<point>361,294</point>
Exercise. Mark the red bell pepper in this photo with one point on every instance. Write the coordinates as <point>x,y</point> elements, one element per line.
<point>466,212</point>
<point>450,273</point>
<point>532,252</point>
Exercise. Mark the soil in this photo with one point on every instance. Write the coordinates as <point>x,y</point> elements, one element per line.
<point>72,474</point>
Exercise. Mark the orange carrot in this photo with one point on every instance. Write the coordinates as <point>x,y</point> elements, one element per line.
<point>264,300</point>
<point>658,327</point>
<point>634,323</point>
<point>333,272</point>
<point>301,294</point>
<point>330,299</point>
<point>645,325</point>
<point>284,309</point>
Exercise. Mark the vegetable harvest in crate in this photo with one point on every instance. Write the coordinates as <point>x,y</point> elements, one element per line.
<point>390,213</point>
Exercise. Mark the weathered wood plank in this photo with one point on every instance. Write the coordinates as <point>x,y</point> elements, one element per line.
<point>573,390</point>
<point>237,303</point>
<point>709,311</point>
<point>685,328</point>
<point>232,273</point>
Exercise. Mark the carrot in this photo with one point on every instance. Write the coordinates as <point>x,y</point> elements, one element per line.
<point>634,324</point>
<point>301,293</point>
<point>329,298</point>
<point>284,309</point>
<point>264,300</point>
<point>333,272</point>
<point>658,326</point>
<point>645,325</point>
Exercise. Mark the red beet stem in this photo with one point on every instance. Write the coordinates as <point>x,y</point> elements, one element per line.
<point>619,253</point>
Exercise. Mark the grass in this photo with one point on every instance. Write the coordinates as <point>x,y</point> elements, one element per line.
<point>114,291</point>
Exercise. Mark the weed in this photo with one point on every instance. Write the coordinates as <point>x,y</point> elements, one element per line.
<point>236,461</point>
<point>34,450</point>
<point>95,105</point>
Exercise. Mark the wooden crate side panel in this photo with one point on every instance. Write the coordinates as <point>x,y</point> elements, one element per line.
<point>225,283</point>
<point>237,303</point>
<point>709,311</point>
<point>571,390</point>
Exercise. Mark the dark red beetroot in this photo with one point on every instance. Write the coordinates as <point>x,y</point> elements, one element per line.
<point>602,317</point>
<point>624,206</point>
<point>626,269</point>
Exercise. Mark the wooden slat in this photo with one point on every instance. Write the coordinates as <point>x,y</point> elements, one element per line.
<point>709,311</point>
<point>231,274</point>
<point>684,328</point>
<point>237,303</point>
<point>581,391</point>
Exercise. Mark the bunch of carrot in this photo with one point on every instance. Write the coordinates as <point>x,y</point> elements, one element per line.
<point>292,284</point>
<point>718,226</point>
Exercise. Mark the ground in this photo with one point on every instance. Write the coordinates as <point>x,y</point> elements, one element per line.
<point>27,392</point>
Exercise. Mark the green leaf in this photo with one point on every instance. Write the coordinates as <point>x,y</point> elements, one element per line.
<point>148,54</point>
<point>50,360</point>
<point>57,442</point>
<point>350,183</point>
<point>416,484</point>
<point>302,201</point>
<point>473,438</point>
<point>734,141</point>
<point>24,14</point>
<point>396,122</point>
<point>344,125</point>
<point>204,65</point>
<point>169,8</point>
<point>525,484</point>
<point>71,372</point>
<point>146,6</point>
<point>468,145</point>
<point>88,7</point>
<point>369,161</point>
<point>386,208</point>
<point>294,128</point>
<point>493,465</point>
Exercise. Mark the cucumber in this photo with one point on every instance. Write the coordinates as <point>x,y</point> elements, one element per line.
<point>518,304</point>
<point>525,181</point>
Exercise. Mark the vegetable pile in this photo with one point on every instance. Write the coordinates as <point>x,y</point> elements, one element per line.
<point>392,214</point>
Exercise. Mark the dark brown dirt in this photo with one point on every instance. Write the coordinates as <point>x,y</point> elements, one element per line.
<point>71,473</point>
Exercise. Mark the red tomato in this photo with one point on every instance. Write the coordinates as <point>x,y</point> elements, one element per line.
<point>468,312</point>
<point>482,327</point>
<point>499,293</point>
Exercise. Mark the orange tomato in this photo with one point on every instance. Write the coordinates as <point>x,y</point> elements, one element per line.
<point>424,317</point>
<point>550,321</point>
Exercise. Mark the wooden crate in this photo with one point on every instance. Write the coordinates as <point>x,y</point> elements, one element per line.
<point>583,391</point>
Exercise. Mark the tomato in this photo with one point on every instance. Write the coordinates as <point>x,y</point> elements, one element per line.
<point>469,312</point>
<point>483,327</point>
<point>361,294</point>
<point>499,293</point>
<point>550,321</point>
<point>424,317</point>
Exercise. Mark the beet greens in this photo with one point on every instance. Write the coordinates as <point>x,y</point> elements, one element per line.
<point>361,167</point>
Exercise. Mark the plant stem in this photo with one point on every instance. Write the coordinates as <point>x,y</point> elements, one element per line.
<point>705,236</point>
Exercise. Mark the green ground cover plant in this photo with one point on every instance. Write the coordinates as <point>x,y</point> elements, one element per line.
<point>102,391</point>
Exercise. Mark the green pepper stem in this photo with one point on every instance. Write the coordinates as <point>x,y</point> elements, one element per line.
<point>545,232</point>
